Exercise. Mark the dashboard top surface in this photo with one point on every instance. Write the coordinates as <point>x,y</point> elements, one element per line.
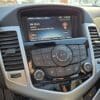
<point>11,13</point>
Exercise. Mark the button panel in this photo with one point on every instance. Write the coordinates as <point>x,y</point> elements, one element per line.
<point>62,71</point>
<point>70,58</point>
<point>52,57</point>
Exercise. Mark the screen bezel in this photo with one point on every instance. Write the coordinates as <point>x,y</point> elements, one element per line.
<point>51,10</point>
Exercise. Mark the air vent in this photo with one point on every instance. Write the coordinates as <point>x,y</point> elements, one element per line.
<point>10,51</point>
<point>95,38</point>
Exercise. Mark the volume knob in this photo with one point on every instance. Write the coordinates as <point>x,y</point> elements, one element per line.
<point>39,75</point>
<point>87,67</point>
<point>61,55</point>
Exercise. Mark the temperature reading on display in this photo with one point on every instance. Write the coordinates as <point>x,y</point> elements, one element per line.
<point>46,28</point>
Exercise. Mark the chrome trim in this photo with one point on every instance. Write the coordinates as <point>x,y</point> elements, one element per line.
<point>87,34</point>
<point>29,90</point>
<point>97,96</point>
<point>94,61</point>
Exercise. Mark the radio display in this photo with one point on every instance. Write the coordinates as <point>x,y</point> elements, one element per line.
<point>46,28</point>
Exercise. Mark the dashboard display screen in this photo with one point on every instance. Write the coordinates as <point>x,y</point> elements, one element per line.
<point>46,28</point>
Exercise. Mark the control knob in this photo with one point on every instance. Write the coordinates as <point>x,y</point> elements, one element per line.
<point>87,67</point>
<point>39,75</point>
<point>61,55</point>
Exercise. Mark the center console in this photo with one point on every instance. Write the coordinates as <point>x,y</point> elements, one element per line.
<point>58,55</point>
<point>59,62</point>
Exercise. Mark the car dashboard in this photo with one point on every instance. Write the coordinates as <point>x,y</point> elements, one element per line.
<point>49,52</point>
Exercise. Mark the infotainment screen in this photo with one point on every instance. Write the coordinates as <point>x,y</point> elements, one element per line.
<point>46,28</point>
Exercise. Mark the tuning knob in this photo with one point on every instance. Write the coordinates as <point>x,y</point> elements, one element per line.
<point>61,55</point>
<point>87,67</point>
<point>39,75</point>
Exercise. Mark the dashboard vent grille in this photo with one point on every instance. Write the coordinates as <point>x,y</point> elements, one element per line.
<point>95,38</point>
<point>10,51</point>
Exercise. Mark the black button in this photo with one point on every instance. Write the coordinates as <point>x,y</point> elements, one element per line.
<point>82,47</point>
<point>76,68</point>
<point>37,51</point>
<point>75,50</point>
<point>74,47</point>
<point>60,71</point>
<point>49,63</point>
<point>72,69</point>
<point>82,50</point>
<point>46,50</point>
<point>51,72</point>
<point>76,59</point>
<point>16,75</point>
<point>46,56</point>
<point>48,60</point>
<point>83,54</point>
<point>38,60</point>
<point>83,57</point>
<point>69,70</point>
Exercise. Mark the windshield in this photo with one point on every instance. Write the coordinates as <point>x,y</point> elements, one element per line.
<point>69,2</point>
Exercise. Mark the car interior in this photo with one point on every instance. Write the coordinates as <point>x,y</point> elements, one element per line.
<point>49,52</point>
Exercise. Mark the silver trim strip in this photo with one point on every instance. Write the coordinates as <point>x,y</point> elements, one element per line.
<point>87,34</point>
<point>97,96</point>
<point>30,90</point>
